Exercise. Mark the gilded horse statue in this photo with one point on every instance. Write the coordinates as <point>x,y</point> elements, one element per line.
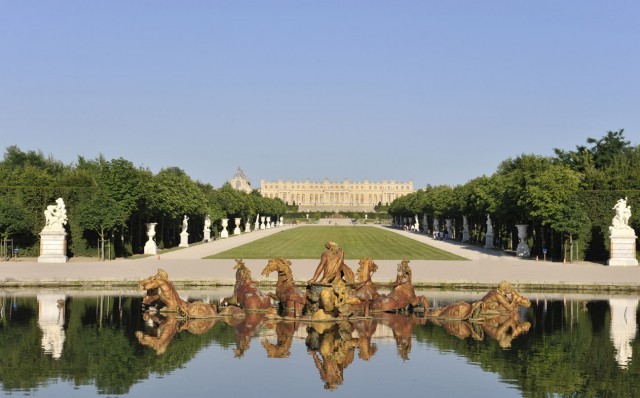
<point>291,299</point>
<point>365,289</point>
<point>245,293</point>
<point>161,292</point>
<point>402,296</point>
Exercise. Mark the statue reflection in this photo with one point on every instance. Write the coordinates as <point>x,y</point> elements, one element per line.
<point>365,329</point>
<point>161,332</point>
<point>623,328</point>
<point>333,349</point>
<point>284,339</point>
<point>402,327</point>
<point>164,327</point>
<point>245,328</point>
<point>51,321</point>
<point>503,328</point>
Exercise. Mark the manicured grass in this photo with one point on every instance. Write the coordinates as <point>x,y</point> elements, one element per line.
<point>357,242</point>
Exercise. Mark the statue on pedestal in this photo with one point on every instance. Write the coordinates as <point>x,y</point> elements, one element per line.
<point>53,237</point>
<point>150,247</point>
<point>489,235</point>
<point>622,236</point>
<point>207,229</point>
<point>465,229</point>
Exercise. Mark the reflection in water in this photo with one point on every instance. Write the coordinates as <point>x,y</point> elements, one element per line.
<point>161,330</point>
<point>51,322</point>
<point>623,328</point>
<point>108,345</point>
<point>284,339</point>
<point>332,349</point>
<point>503,328</point>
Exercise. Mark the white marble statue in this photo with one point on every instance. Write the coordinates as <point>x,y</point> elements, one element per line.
<point>55,216</point>
<point>465,229</point>
<point>621,219</point>
<point>207,229</point>
<point>489,226</point>
<point>416,226</point>
<point>184,235</point>
<point>436,227</point>
<point>185,223</point>
<point>150,246</point>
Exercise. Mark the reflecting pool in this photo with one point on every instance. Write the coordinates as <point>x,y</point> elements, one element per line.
<point>75,343</point>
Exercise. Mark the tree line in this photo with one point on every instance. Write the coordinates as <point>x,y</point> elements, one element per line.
<point>566,199</point>
<point>112,200</point>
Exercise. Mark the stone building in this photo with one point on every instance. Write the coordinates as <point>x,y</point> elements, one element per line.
<point>240,181</point>
<point>335,196</point>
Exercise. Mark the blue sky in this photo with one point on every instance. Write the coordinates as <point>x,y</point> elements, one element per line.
<point>438,92</point>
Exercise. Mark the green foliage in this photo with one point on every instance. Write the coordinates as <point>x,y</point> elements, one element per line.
<point>14,222</point>
<point>112,199</point>
<point>568,197</point>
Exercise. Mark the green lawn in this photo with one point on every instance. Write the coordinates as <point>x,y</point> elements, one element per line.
<point>357,242</point>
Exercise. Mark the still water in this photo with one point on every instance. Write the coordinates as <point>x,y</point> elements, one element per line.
<point>74,343</point>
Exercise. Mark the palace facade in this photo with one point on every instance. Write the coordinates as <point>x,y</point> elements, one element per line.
<point>240,181</point>
<point>335,196</point>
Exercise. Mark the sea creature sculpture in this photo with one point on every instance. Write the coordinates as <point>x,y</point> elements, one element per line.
<point>162,294</point>
<point>402,296</point>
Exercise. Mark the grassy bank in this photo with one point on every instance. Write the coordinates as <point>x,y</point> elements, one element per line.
<point>357,242</point>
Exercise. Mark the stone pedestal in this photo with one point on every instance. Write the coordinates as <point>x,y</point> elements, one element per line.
<point>488,243</point>
<point>53,247</point>
<point>262,226</point>
<point>207,235</point>
<point>150,247</point>
<point>523,249</point>
<point>268,222</point>
<point>449,225</point>
<point>281,221</point>
<point>623,250</point>
<point>247,226</point>
<point>184,239</point>
<point>236,230</point>
<point>224,233</point>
